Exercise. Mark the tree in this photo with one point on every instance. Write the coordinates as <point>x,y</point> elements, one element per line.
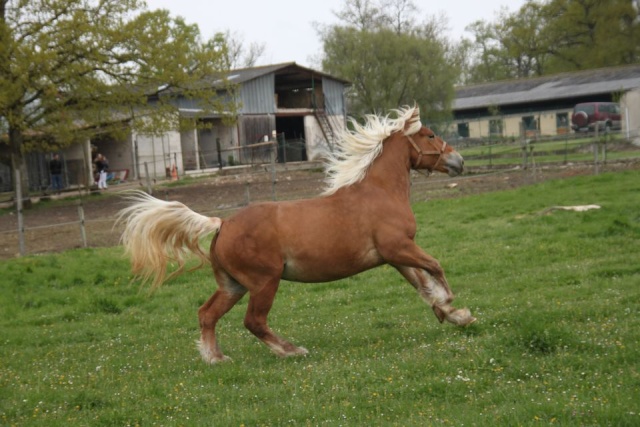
<point>554,36</point>
<point>390,60</point>
<point>489,61</point>
<point>237,53</point>
<point>513,47</point>
<point>72,68</point>
<point>592,34</point>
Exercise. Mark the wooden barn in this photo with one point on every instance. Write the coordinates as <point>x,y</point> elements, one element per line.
<point>301,108</point>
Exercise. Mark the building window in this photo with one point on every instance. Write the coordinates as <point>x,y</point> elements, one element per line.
<point>562,123</point>
<point>495,127</point>
<point>463,130</point>
<point>529,126</point>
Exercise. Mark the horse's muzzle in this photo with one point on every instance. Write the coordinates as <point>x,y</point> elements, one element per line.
<point>454,163</point>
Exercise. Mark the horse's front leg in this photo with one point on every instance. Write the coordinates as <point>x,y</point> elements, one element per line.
<point>426,275</point>
<point>437,294</point>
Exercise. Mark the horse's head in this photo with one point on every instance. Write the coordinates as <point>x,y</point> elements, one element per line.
<point>433,153</point>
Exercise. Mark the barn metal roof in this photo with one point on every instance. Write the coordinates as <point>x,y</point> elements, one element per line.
<point>289,70</point>
<point>566,85</point>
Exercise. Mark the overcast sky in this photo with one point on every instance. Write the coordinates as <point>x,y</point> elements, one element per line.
<point>286,26</point>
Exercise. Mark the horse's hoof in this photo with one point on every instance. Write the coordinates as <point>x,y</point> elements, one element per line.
<point>292,352</point>
<point>299,351</point>
<point>215,360</point>
<point>469,321</point>
<point>210,357</point>
<point>461,317</point>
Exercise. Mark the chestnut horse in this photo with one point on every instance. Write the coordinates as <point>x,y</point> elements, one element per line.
<point>361,221</point>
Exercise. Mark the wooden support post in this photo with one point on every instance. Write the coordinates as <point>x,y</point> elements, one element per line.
<point>19,205</point>
<point>146,171</point>
<point>274,154</point>
<point>83,231</point>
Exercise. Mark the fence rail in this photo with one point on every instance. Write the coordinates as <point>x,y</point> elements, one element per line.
<point>569,148</point>
<point>94,226</point>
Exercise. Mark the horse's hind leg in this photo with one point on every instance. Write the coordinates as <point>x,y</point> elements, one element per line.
<point>260,302</point>
<point>228,294</point>
<point>435,291</point>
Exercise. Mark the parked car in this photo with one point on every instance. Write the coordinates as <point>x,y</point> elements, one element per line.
<point>589,115</point>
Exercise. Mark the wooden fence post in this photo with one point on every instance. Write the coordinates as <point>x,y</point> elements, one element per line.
<point>146,171</point>
<point>83,231</point>
<point>219,153</point>
<point>19,208</point>
<point>274,154</point>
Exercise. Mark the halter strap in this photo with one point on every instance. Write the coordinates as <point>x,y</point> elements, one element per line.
<point>428,153</point>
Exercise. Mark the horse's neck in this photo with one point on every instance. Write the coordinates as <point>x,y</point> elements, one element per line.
<point>390,171</point>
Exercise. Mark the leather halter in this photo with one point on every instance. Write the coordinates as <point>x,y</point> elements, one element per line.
<point>421,153</point>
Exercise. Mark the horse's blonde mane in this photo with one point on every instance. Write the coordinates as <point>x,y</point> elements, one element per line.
<point>357,149</point>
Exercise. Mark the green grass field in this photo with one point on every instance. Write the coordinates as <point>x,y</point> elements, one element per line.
<point>557,298</point>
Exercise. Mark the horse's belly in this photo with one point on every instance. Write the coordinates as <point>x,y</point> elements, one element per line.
<point>326,269</point>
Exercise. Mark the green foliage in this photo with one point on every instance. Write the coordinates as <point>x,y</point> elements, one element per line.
<point>72,69</point>
<point>592,34</point>
<point>390,61</point>
<point>546,37</point>
<point>556,296</point>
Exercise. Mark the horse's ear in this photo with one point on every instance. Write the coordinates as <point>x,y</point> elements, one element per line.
<point>413,125</point>
<point>416,113</point>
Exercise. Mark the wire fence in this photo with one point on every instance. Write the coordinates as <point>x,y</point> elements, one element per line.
<point>159,164</point>
<point>88,221</point>
<point>220,155</point>
<point>595,148</point>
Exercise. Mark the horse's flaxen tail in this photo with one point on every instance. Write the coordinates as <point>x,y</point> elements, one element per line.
<point>157,232</point>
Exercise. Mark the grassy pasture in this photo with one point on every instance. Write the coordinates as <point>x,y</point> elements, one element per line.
<point>557,298</point>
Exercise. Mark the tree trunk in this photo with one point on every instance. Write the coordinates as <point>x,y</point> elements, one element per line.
<point>18,163</point>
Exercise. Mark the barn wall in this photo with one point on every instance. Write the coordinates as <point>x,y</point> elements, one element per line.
<point>208,147</point>
<point>316,145</point>
<point>512,124</point>
<point>159,153</point>
<point>548,123</point>
<point>630,106</point>
<point>189,146</point>
<point>334,96</point>
<point>258,96</point>
<point>253,129</point>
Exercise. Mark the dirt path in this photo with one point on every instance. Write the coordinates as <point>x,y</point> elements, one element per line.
<point>55,226</point>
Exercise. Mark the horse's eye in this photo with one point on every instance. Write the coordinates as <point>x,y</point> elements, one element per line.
<point>432,136</point>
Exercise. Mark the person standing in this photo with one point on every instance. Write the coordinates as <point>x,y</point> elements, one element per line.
<point>55,169</point>
<point>102,166</point>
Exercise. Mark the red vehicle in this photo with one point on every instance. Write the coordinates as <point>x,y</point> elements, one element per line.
<point>589,115</point>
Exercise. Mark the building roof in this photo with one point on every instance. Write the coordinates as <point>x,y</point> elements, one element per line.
<point>558,86</point>
<point>290,70</point>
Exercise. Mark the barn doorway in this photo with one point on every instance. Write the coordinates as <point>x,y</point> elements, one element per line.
<point>291,139</point>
